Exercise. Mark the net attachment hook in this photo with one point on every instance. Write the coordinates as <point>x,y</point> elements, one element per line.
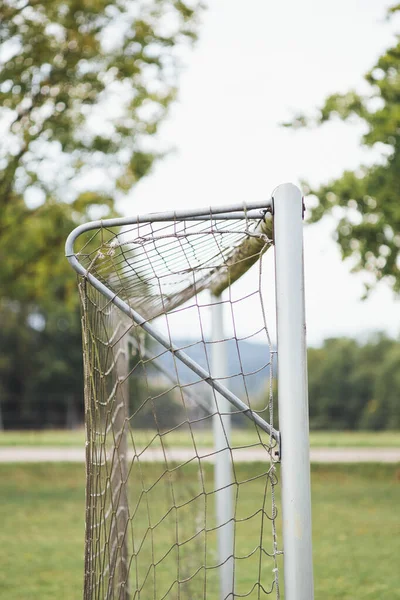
<point>275,449</point>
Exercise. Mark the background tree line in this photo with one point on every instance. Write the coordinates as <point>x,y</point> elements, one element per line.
<point>352,385</point>
<point>355,385</point>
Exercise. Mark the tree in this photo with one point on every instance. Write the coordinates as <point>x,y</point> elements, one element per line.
<point>40,369</point>
<point>84,86</point>
<point>369,197</point>
<point>334,400</point>
<point>354,385</point>
<point>383,411</point>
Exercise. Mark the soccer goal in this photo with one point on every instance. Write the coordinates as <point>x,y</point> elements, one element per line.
<point>192,491</point>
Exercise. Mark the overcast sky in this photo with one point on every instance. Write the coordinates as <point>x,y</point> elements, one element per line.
<point>257,63</point>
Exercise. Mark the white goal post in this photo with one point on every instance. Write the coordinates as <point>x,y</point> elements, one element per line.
<point>158,526</point>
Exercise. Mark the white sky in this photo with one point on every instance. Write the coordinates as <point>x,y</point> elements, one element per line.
<point>258,63</point>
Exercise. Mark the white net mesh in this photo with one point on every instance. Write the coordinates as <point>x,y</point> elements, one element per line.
<point>152,531</point>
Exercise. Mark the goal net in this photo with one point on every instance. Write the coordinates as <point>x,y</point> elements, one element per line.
<point>181,450</point>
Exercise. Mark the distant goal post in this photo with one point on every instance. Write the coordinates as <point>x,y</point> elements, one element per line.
<point>158,525</point>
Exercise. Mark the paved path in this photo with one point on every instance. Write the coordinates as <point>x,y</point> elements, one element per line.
<point>318,455</point>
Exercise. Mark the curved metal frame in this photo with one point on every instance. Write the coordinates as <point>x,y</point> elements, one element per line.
<point>242,211</point>
<point>287,207</point>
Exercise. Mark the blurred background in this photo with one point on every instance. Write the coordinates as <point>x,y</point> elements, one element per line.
<point>119,107</point>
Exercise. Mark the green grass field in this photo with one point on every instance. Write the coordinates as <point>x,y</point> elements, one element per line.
<point>67,438</point>
<point>356,530</point>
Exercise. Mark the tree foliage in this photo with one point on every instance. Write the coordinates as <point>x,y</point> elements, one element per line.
<point>354,385</point>
<point>369,197</point>
<point>84,87</point>
<point>40,368</point>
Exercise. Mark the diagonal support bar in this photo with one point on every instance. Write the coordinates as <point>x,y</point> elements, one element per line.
<point>195,398</point>
<point>180,354</point>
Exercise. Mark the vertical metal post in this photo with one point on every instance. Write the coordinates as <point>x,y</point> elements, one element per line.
<point>292,393</point>
<point>222,465</point>
<point>119,555</point>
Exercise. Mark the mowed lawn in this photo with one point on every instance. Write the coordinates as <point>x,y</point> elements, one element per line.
<point>180,439</point>
<point>356,530</point>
